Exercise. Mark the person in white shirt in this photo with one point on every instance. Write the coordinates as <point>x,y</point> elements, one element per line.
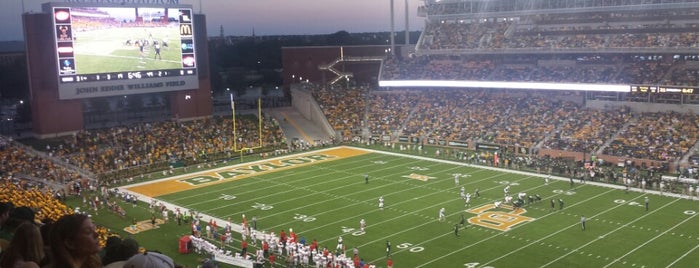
<point>690,192</point>
<point>228,225</point>
<point>381,202</point>
<point>521,195</point>
<point>339,243</point>
<point>442,215</point>
<point>253,235</point>
<point>229,237</point>
<point>362,225</point>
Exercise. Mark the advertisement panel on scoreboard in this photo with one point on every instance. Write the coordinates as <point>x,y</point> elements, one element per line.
<point>120,50</point>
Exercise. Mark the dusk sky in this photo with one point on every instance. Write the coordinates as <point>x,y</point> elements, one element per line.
<point>267,17</point>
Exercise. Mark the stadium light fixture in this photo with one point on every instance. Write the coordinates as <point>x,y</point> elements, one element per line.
<point>506,85</point>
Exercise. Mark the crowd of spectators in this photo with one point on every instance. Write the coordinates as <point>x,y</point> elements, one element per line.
<point>657,136</point>
<point>528,119</point>
<point>18,161</point>
<point>573,68</point>
<point>586,130</point>
<point>389,110</point>
<point>344,108</point>
<point>549,30</point>
<point>160,143</point>
<point>468,48</point>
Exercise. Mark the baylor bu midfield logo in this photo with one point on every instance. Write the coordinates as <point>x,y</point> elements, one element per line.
<point>494,218</point>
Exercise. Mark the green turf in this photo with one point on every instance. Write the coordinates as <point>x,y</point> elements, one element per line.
<point>99,51</point>
<point>328,199</point>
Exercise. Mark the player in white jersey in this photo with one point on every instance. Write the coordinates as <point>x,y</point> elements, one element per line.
<point>381,202</point>
<point>272,246</point>
<point>304,256</point>
<point>253,235</point>
<point>508,199</point>
<point>442,215</point>
<point>507,190</point>
<point>497,204</point>
<point>468,199</point>
<point>280,248</point>
<point>324,260</point>
<point>690,192</point>
<point>259,256</point>
<point>521,195</point>
<point>362,225</point>
<point>462,194</point>
<point>546,180</point>
<point>290,248</point>
<point>340,243</point>
<point>228,225</point>
<point>456,179</point>
<point>317,260</point>
<point>229,236</point>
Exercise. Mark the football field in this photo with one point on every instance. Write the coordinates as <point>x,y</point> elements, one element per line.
<point>323,195</point>
<point>117,50</point>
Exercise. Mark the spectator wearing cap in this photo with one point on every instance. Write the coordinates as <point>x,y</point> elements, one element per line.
<point>149,260</point>
<point>26,250</point>
<point>74,243</point>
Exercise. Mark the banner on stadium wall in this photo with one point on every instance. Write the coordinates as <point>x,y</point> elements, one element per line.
<point>442,142</point>
<point>386,138</point>
<point>414,139</point>
<point>403,139</point>
<point>462,144</point>
<point>431,141</point>
<point>487,147</point>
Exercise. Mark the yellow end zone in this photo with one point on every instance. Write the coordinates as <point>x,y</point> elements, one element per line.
<point>241,171</point>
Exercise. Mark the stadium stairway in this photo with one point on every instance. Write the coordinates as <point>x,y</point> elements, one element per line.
<point>295,126</point>
<point>611,139</point>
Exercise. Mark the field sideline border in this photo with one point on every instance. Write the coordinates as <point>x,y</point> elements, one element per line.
<point>238,228</point>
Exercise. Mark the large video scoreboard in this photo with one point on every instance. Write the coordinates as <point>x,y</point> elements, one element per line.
<point>105,49</point>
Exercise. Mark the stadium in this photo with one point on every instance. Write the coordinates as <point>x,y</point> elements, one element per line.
<point>513,133</point>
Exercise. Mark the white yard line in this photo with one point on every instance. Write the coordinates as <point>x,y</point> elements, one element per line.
<point>650,240</point>
<point>683,255</point>
<point>499,234</point>
<point>371,201</point>
<point>406,213</point>
<point>608,233</point>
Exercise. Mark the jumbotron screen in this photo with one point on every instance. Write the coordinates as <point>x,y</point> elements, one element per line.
<point>109,51</point>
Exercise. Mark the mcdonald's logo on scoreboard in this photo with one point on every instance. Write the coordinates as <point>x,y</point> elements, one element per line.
<point>185,30</point>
